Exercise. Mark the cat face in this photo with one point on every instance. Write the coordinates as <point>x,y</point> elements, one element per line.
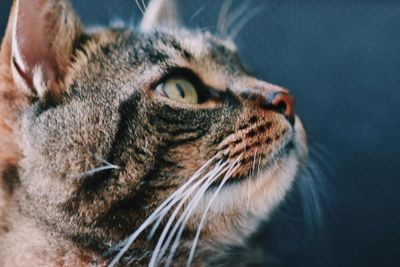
<point>132,115</point>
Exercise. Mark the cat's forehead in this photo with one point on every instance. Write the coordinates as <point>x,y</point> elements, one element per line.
<point>198,43</point>
<point>213,59</point>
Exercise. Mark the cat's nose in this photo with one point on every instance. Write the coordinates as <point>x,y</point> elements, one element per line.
<point>281,102</point>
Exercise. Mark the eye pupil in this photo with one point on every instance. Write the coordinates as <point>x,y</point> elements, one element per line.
<point>180,90</point>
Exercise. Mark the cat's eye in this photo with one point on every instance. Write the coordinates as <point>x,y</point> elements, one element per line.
<point>179,89</point>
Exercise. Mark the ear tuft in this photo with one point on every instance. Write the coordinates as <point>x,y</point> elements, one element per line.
<point>160,13</point>
<point>42,44</point>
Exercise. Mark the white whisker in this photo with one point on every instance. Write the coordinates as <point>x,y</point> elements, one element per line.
<point>95,170</point>
<point>236,14</point>
<point>231,170</point>
<point>108,166</point>
<point>130,239</point>
<point>321,157</point>
<point>177,196</point>
<point>139,6</point>
<point>244,20</point>
<point>223,14</point>
<point>182,221</point>
<point>185,196</point>
<point>144,5</point>
<point>310,194</point>
<point>196,13</point>
<point>155,257</point>
<point>254,163</point>
<point>206,28</point>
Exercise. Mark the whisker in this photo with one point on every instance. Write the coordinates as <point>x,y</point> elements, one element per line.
<point>206,28</point>
<point>196,13</point>
<point>223,14</point>
<point>144,5</point>
<point>139,6</point>
<point>321,156</point>
<point>181,202</point>
<point>95,170</point>
<point>130,239</point>
<point>244,20</point>
<point>107,166</point>
<point>155,257</point>
<point>259,164</point>
<point>173,202</point>
<point>182,221</point>
<point>236,14</point>
<point>232,169</point>
<point>254,163</point>
<point>310,195</point>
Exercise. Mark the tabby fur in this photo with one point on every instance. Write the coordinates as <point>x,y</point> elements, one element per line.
<point>72,99</point>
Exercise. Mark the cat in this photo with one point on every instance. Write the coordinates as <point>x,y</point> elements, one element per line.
<point>146,146</point>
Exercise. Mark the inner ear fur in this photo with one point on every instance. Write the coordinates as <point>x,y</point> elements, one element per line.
<point>42,36</point>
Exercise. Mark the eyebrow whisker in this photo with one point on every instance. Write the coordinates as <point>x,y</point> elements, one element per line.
<point>107,166</point>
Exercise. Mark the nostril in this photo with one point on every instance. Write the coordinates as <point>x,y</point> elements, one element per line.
<point>281,102</point>
<point>281,107</point>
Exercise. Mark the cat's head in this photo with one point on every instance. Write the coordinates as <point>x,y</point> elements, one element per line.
<point>108,124</point>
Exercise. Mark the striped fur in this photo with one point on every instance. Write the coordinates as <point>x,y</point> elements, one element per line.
<point>88,155</point>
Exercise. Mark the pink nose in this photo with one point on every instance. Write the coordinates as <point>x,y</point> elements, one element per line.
<point>281,102</point>
<point>275,99</point>
<point>285,103</point>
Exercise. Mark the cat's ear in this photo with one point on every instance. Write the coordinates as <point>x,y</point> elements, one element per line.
<point>43,34</point>
<point>160,13</point>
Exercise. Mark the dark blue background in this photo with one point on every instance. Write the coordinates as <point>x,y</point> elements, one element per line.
<point>341,59</point>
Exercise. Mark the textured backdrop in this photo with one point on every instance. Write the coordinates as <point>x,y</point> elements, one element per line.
<point>341,59</point>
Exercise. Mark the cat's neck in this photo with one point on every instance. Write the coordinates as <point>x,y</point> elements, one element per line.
<point>29,243</point>
<point>27,240</point>
<point>24,242</point>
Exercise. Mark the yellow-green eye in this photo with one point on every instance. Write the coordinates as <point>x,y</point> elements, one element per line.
<point>179,89</point>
